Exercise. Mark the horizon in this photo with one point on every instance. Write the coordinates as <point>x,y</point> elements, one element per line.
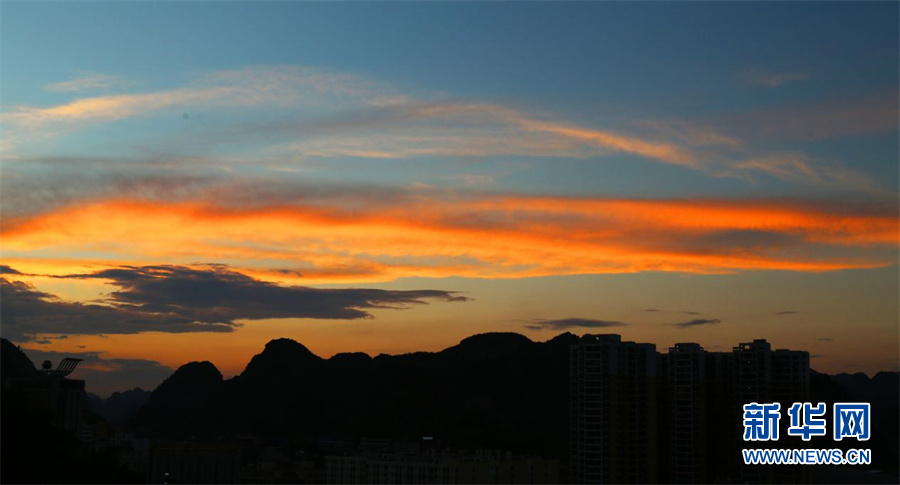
<point>188,181</point>
<point>36,355</point>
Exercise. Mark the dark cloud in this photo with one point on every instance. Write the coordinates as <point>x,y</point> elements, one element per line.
<point>656,310</point>
<point>564,323</point>
<point>739,240</point>
<point>27,312</point>
<point>697,322</point>
<point>788,312</point>
<point>182,299</point>
<point>103,375</point>
<point>170,179</point>
<point>289,272</point>
<point>49,340</point>
<point>216,294</point>
<point>826,339</point>
<point>7,270</point>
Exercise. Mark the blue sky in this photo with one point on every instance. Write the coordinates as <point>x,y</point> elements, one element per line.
<point>598,64</point>
<point>475,48</point>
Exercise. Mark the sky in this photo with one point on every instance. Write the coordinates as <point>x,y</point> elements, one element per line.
<point>187,181</point>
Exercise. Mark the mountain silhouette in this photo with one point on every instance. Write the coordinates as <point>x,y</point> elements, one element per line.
<point>881,385</point>
<point>14,363</point>
<point>493,390</point>
<point>498,390</point>
<point>282,359</point>
<point>881,391</point>
<point>119,406</point>
<point>183,396</point>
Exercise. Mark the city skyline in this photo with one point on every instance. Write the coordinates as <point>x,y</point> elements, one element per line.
<point>390,178</point>
<point>101,383</point>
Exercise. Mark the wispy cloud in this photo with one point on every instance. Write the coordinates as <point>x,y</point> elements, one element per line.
<point>690,133</point>
<point>697,322</point>
<point>112,108</point>
<point>87,81</point>
<point>48,340</point>
<point>260,87</point>
<point>871,114</point>
<point>566,323</point>
<point>239,88</point>
<point>797,167</point>
<point>771,79</point>
<point>324,114</point>
<point>408,128</point>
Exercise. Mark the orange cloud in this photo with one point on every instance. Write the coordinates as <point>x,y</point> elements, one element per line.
<point>242,87</point>
<point>487,236</point>
<point>86,81</point>
<point>109,108</point>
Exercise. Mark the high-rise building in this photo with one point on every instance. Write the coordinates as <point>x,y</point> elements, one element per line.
<point>763,375</point>
<point>686,403</point>
<point>614,410</point>
<point>724,423</point>
<point>639,417</point>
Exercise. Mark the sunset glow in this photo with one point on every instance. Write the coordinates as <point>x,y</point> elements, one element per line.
<point>195,198</point>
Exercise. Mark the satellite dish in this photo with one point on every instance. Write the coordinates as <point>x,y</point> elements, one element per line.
<point>47,365</point>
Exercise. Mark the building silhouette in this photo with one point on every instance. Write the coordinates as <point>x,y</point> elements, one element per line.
<point>50,393</point>
<point>614,412</point>
<point>764,375</point>
<point>382,461</point>
<point>687,397</point>
<point>193,462</point>
<point>640,417</point>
